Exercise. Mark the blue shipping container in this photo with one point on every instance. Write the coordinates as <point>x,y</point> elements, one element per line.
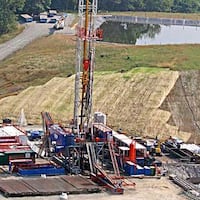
<point>139,170</point>
<point>43,170</point>
<point>140,161</point>
<point>129,168</point>
<point>147,171</point>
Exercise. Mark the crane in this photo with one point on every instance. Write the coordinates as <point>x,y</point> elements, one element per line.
<point>85,53</point>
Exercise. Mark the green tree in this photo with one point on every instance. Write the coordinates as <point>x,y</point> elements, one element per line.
<point>186,6</point>
<point>36,6</point>
<point>135,5</point>
<point>59,5</point>
<point>138,5</point>
<point>64,5</point>
<point>158,5</point>
<point>8,10</point>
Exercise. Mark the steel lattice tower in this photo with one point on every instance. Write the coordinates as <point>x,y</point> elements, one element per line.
<point>85,53</point>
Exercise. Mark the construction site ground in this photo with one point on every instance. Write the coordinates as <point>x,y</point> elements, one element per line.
<point>151,188</point>
<point>148,188</point>
<point>161,103</point>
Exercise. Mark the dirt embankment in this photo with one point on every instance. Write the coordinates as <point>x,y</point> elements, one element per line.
<point>133,101</point>
<point>183,102</point>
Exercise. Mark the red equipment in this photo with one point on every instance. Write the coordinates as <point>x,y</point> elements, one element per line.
<point>132,152</point>
<point>102,178</point>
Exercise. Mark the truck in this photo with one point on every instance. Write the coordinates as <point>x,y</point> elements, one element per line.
<point>60,24</point>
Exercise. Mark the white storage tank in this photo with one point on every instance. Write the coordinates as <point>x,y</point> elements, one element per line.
<point>64,196</point>
<point>99,117</point>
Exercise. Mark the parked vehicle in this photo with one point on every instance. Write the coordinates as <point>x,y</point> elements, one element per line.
<point>60,24</point>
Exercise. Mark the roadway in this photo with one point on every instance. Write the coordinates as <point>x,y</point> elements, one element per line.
<point>31,32</point>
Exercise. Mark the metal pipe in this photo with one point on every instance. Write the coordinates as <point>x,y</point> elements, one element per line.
<point>86,29</point>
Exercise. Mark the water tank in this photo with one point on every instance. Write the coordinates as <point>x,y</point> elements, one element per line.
<point>64,196</point>
<point>99,117</point>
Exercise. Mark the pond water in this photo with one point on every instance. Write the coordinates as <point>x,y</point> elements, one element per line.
<point>149,34</point>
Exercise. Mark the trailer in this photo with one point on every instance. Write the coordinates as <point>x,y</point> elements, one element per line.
<point>43,18</point>
<point>26,18</point>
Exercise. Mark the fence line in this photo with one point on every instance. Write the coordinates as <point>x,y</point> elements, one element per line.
<point>148,20</point>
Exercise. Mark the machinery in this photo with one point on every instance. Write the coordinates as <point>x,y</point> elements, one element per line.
<point>86,38</point>
<point>55,138</point>
<point>156,149</point>
<point>77,150</point>
<point>102,178</point>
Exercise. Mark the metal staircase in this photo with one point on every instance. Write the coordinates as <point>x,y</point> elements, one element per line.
<point>113,158</point>
<point>91,155</point>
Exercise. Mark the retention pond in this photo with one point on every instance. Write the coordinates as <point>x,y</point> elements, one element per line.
<point>149,34</point>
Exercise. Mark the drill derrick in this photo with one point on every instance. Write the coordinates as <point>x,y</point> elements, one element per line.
<point>86,38</point>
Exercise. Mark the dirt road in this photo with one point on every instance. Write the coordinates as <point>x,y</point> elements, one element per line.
<point>32,31</point>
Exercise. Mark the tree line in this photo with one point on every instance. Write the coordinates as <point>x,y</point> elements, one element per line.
<point>185,6</point>
<point>9,9</point>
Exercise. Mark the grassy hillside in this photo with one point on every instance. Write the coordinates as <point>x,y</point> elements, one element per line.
<point>114,57</point>
<point>55,56</point>
<point>131,101</point>
<point>131,83</point>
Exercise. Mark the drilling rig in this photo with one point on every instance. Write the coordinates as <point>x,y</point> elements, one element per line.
<point>77,153</point>
<point>85,53</point>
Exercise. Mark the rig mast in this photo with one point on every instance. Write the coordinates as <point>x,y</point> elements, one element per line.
<point>85,53</point>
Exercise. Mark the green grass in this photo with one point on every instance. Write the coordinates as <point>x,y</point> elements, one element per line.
<point>141,70</point>
<point>151,70</point>
<point>54,56</point>
<point>127,57</point>
<point>9,36</point>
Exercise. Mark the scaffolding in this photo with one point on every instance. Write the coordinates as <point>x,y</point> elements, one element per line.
<point>85,53</point>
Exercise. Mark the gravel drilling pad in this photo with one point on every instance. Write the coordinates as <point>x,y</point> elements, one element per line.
<point>17,187</point>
